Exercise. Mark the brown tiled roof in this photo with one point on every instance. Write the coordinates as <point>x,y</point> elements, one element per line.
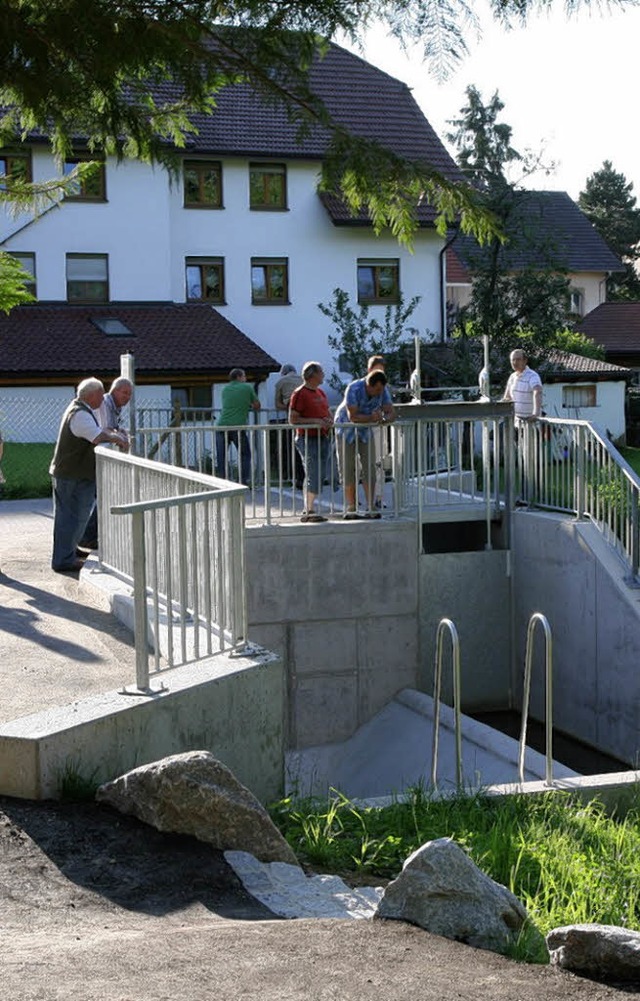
<point>166,339</point>
<point>341,216</point>
<point>564,364</point>
<point>361,97</point>
<point>615,325</point>
<point>546,229</point>
<point>457,274</point>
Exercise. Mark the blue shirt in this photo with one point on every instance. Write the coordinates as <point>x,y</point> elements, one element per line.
<point>356,396</point>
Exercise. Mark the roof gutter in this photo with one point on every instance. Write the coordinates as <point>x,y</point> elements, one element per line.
<point>443,286</point>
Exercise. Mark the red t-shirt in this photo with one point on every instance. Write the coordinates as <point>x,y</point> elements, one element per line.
<point>310,403</point>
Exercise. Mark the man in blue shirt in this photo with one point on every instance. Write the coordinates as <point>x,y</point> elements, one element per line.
<point>366,402</point>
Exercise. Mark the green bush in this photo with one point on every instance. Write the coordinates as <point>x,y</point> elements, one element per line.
<point>26,470</point>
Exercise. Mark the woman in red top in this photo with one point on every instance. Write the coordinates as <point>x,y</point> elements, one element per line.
<point>309,411</point>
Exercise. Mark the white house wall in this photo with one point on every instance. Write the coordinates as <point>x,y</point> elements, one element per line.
<point>593,286</point>
<point>608,414</point>
<point>147,233</point>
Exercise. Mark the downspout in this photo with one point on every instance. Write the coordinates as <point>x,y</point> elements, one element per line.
<point>443,286</point>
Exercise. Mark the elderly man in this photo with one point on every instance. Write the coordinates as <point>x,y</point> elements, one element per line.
<point>114,403</point>
<point>73,472</point>
<point>524,388</point>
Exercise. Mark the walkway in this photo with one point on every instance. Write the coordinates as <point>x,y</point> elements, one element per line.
<point>55,645</point>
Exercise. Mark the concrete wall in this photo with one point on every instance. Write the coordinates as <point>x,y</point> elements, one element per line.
<point>338,602</point>
<point>566,571</point>
<point>472,589</point>
<point>231,706</point>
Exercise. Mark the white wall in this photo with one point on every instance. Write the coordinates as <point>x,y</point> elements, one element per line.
<point>593,285</point>
<point>608,414</point>
<point>147,233</point>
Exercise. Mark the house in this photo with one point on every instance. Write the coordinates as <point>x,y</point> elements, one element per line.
<point>546,230</point>
<point>243,239</point>
<point>580,388</point>
<point>616,327</point>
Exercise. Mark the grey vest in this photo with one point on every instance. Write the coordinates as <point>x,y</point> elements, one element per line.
<point>74,458</point>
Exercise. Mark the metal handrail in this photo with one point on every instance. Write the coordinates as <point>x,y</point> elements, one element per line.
<point>542,619</point>
<point>437,678</point>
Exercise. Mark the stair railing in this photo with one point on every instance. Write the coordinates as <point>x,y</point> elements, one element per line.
<point>538,617</point>
<point>437,680</point>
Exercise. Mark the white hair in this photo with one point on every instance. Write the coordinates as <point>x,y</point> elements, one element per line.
<point>87,387</point>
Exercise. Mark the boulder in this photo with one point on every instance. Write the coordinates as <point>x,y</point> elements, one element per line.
<point>605,952</point>
<point>194,793</point>
<point>443,891</point>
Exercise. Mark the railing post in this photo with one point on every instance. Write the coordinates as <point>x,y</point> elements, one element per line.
<point>581,482</point>
<point>634,554</point>
<point>542,619</point>
<point>437,679</point>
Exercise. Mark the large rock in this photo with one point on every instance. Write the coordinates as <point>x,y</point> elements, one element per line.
<point>443,891</point>
<point>603,951</point>
<point>194,793</point>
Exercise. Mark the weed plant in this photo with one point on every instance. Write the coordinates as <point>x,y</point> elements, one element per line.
<point>567,861</point>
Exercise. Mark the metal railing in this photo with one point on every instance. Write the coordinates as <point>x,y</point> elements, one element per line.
<point>437,681</point>
<point>182,550</point>
<point>435,455</point>
<point>538,617</point>
<point>570,465</point>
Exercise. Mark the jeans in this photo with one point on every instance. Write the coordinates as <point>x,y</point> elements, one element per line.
<point>73,502</point>
<point>223,440</point>
<point>314,451</point>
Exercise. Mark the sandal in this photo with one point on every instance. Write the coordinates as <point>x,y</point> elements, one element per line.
<point>312,517</point>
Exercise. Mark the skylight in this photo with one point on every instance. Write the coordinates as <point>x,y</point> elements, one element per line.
<point>110,325</point>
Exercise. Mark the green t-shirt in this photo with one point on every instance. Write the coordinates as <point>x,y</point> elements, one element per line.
<point>237,398</point>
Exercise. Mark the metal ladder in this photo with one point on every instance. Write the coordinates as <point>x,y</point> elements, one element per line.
<point>437,679</point>
<point>542,619</point>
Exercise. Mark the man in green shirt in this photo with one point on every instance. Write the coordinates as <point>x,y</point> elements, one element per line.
<point>238,398</point>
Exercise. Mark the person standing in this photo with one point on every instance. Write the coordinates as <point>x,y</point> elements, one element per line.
<point>238,398</point>
<point>309,413</point>
<point>73,472</point>
<point>376,363</point>
<point>363,403</point>
<point>114,402</point>
<point>524,388</point>
<point>288,381</point>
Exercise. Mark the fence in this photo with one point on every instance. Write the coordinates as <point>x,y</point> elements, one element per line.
<point>447,454</point>
<point>178,538</point>
<point>571,466</point>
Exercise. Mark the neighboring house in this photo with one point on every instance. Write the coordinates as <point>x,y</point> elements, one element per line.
<point>244,233</point>
<point>588,389</point>
<point>547,230</point>
<point>615,326</point>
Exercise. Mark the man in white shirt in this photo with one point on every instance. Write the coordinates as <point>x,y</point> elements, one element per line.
<point>73,472</point>
<point>524,388</point>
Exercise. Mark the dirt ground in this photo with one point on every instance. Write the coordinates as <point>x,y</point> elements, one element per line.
<point>95,905</point>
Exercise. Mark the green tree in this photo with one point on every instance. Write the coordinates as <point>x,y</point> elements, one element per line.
<point>13,278</point>
<point>520,289</point>
<point>609,204</point>
<point>357,335</point>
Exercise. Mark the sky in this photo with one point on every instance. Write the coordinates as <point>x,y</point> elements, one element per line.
<point>568,84</point>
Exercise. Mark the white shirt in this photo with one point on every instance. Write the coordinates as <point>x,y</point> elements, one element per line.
<point>520,389</point>
<point>83,425</point>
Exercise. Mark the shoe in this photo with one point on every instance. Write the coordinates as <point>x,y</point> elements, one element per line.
<point>87,547</point>
<point>74,568</point>
<point>315,518</point>
<point>372,515</point>
<point>351,515</point>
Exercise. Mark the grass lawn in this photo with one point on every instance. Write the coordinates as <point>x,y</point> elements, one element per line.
<point>566,861</point>
<point>26,470</point>
<point>632,456</point>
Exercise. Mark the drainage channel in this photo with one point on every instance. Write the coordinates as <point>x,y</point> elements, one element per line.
<point>570,752</point>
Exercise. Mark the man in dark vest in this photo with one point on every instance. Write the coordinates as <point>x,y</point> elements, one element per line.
<point>73,471</point>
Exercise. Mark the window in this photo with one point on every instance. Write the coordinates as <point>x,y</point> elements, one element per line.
<point>575,397</point>
<point>378,281</point>
<point>28,264</point>
<point>194,402</point>
<point>269,281</point>
<point>92,188</point>
<point>15,164</point>
<point>87,278</point>
<point>205,279</point>
<point>202,184</point>
<point>576,301</point>
<point>267,186</point>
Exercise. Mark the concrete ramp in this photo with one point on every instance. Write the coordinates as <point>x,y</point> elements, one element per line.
<point>392,752</point>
